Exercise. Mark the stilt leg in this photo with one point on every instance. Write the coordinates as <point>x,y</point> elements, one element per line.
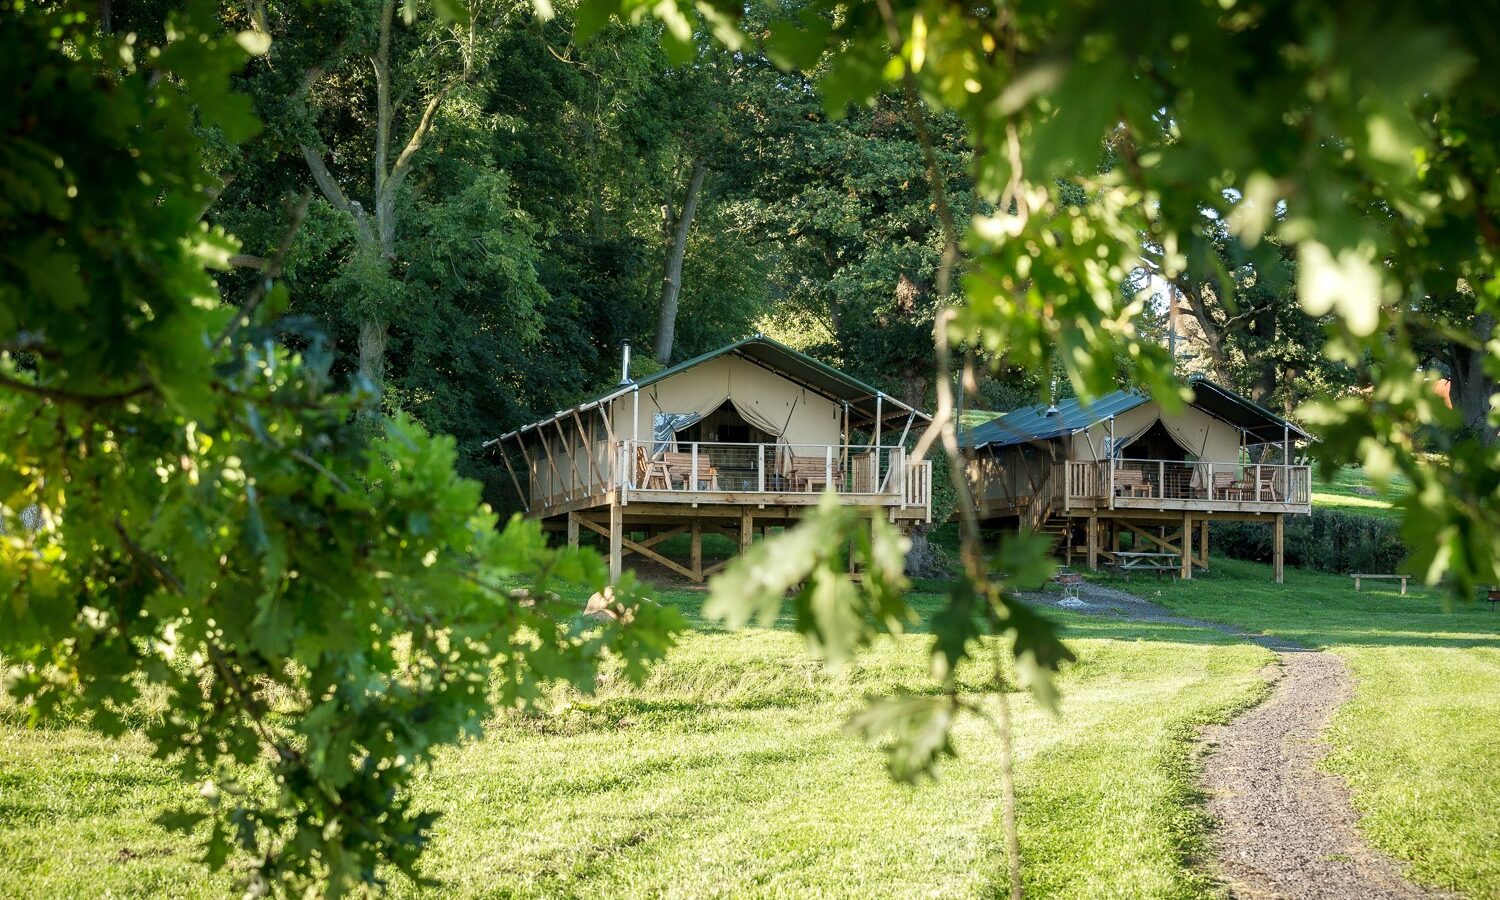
<point>1278,558</point>
<point>1203,543</point>
<point>1091,540</point>
<point>573,530</point>
<point>747,528</point>
<point>1187,546</point>
<point>697,551</point>
<point>616,534</point>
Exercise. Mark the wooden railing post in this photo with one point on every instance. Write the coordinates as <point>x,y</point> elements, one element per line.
<point>828,466</point>
<point>694,468</point>
<point>1161,479</point>
<point>760,468</point>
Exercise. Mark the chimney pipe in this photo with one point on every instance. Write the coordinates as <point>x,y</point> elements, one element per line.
<point>625,363</point>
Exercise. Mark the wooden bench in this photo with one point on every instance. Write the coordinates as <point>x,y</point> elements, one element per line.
<point>805,473</point>
<point>1493,595</point>
<point>680,468</point>
<point>1362,575</point>
<point>1131,483</point>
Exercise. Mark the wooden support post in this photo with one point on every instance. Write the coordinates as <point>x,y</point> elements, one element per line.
<point>1187,546</point>
<point>616,536</point>
<point>697,550</point>
<point>573,530</point>
<point>747,528</point>
<point>1091,539</point>
<point>1203,543</point>
<point>1114,536</point>
<point>1278,554</point>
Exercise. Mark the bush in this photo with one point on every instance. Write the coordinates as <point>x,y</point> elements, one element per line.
<point>1329,541</point>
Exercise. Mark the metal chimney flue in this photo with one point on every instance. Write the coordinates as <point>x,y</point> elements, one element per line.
<point>625,363</point>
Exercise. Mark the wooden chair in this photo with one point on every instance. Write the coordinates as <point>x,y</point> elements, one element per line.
<point>1266,489</point>
<point>651,474</point>
<point>679,467</point>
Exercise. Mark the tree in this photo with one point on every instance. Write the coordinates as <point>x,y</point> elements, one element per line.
<point>188,507</point>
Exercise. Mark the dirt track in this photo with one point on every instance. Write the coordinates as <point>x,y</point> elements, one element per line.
<point>1285,828</point>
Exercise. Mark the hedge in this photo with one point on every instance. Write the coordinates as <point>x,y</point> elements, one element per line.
<point>1329,541</point>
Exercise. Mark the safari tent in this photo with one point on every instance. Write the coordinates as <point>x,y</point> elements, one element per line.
<point>1129,465</point>
<point>749,435</point>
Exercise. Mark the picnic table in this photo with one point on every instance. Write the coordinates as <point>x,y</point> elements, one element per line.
<point>1148,561</point>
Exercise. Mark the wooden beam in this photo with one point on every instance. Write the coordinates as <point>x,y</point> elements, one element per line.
<point>572,452</point>
<point>697,550</point>
<point>646,551</point>
<point>1187,546</point>
<point>504,455</point>
<point>1165,545</point>
<point>1091,538</point>
<point>588,450</point>
<point>1278,556</point>
<point>1203,543</point>
<point>553,466</point>
<point>747,528</point>
<point>573,530</point>
<point>616,535</point>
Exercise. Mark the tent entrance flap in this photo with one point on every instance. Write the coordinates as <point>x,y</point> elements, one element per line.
<point>1157,442</point>
<point>664,428</point>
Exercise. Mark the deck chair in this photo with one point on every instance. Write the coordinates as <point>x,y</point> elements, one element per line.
<point>651,474</point>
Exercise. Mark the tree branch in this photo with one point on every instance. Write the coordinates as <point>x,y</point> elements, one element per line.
<point>335,194</point>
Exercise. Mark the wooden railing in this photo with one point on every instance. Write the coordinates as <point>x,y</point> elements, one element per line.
<point>701,468</point>
<point>918,493</point>
<point>1158,479</point>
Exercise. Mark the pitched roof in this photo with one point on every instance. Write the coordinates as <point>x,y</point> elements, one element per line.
<point>791,364</point>
<point>1041,423</point>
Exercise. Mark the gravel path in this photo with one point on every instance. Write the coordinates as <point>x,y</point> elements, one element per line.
<point>1285,828</point>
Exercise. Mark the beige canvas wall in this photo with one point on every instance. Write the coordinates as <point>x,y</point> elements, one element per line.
<point>1204,436</point>
<point>764,398</point>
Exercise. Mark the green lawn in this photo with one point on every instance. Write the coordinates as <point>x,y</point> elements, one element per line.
<point>1351,490</point>
<point>1420,743</point>
<point>726,774</point>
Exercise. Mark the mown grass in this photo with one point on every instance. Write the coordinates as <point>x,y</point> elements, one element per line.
<point>1420,742</point>
<point>1351,490</point>
<point>726,773</point>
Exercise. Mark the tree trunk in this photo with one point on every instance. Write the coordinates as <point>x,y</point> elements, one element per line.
<point>1471,387</point>
<point>671,283</point>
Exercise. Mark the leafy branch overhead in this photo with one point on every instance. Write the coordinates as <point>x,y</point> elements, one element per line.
<point>188,508</point>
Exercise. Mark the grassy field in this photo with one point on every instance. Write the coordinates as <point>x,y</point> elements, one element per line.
<point>728,773</point>
<point>1420,743</point>
<point>1350,490</point>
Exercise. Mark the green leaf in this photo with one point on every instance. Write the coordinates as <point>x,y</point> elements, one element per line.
<point>914,732</point>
